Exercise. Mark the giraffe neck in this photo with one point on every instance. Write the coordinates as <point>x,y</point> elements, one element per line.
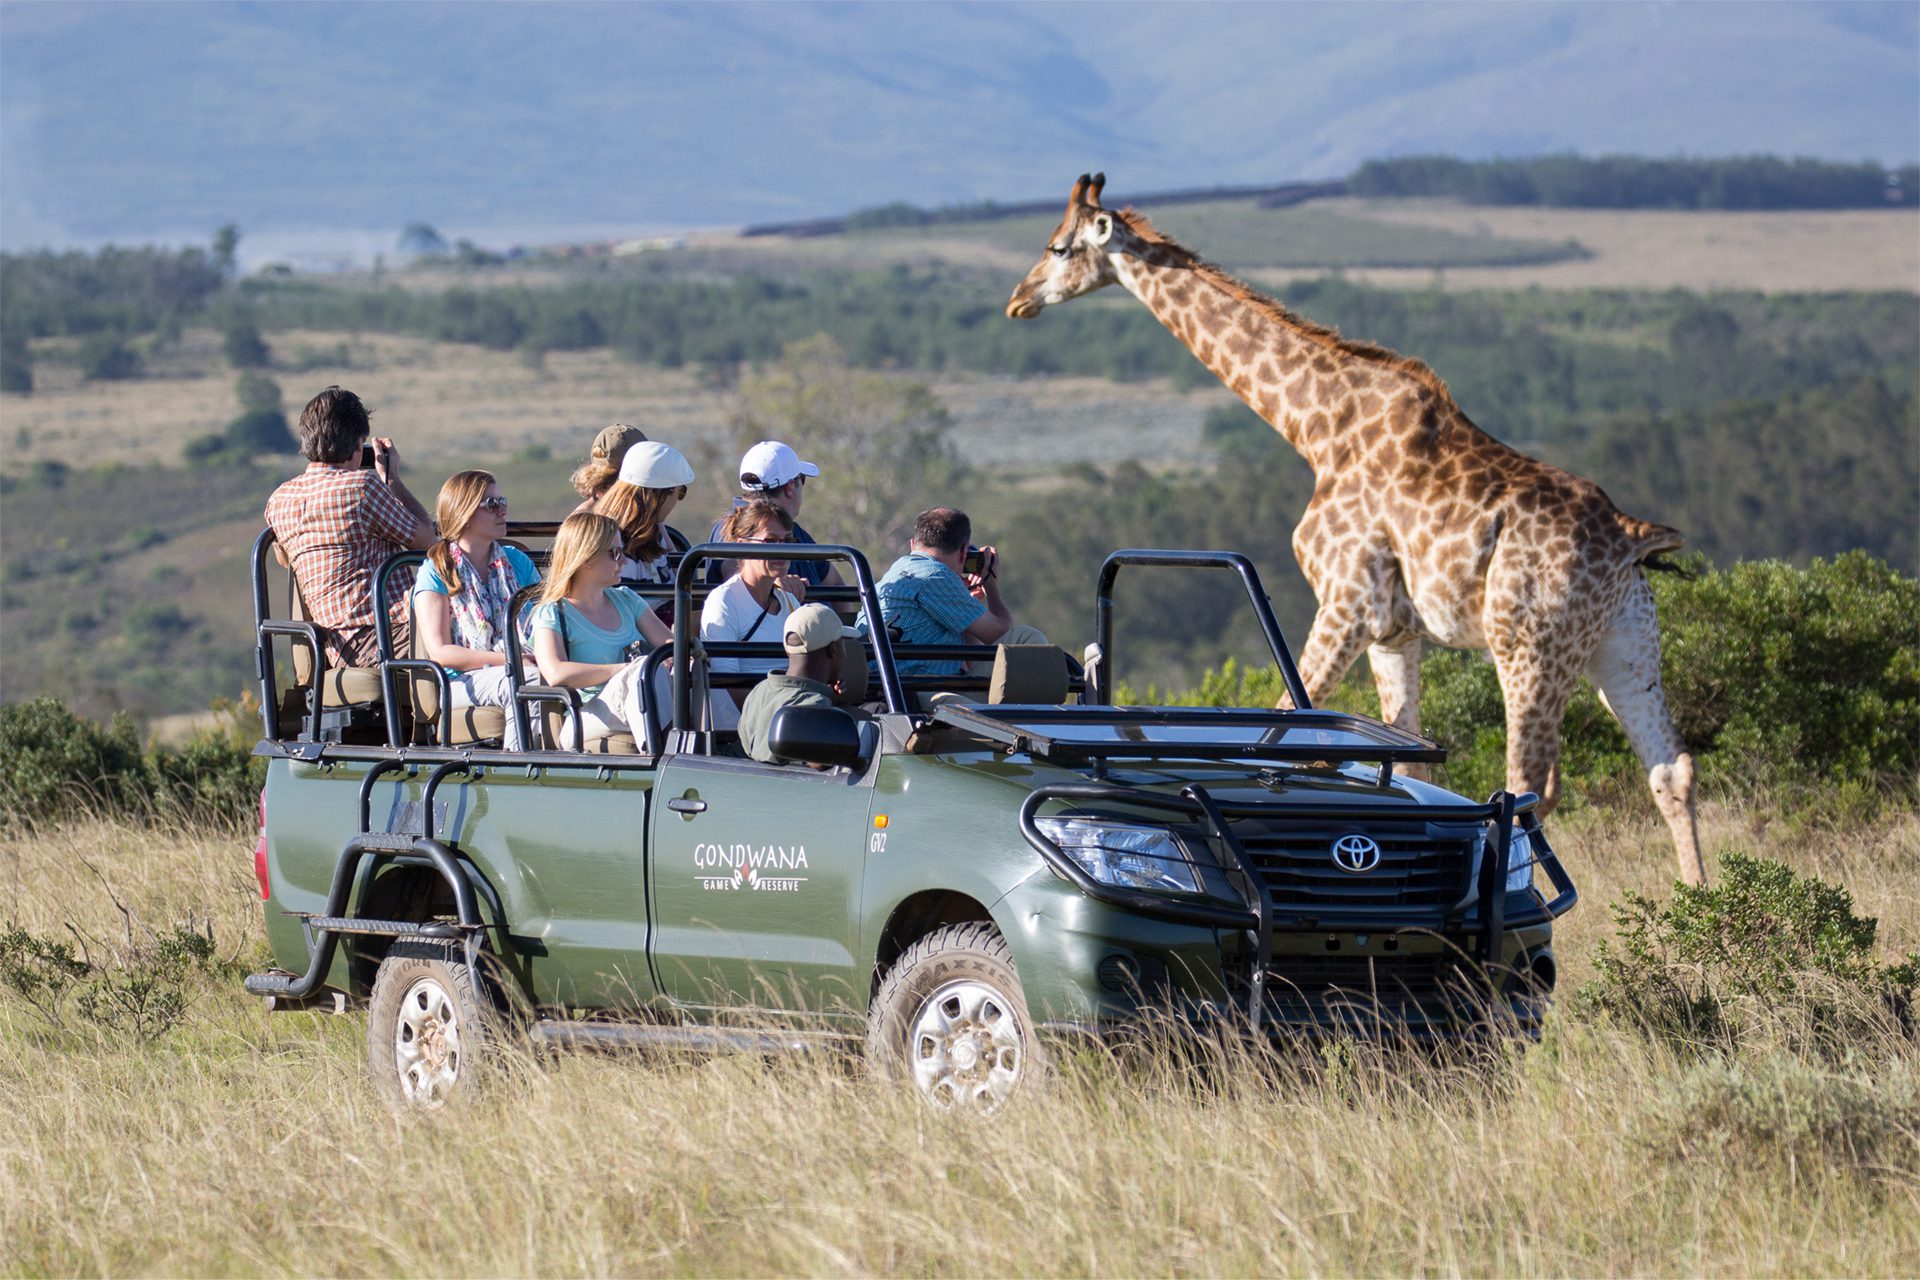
<point>1279,370</point>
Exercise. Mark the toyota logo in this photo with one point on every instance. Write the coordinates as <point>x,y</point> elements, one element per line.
<point>1356,854</point>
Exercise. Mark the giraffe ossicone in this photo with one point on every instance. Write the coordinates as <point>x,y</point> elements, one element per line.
<point>1422,527</point>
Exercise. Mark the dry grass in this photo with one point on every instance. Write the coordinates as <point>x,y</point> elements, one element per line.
<point>450,405</point>
<point>247,1143</point>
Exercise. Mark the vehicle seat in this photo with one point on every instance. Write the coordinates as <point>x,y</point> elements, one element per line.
<point>468,724</point>
<point>853,672</point>
<point>343,688</point>
<point>1034,674</point>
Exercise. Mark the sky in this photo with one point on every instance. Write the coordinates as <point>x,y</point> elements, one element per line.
<point>325,127</point>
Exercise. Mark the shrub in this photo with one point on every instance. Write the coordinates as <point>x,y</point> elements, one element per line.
<point>16,364</point>
<point>143,990</point>
<point>1786,1114</point>
<point>104,356</point>
<point>51,761</point>
<point>1802,683</point>
<point>1764,951</point>
<point>243,345</point>
<point>1806,679</point>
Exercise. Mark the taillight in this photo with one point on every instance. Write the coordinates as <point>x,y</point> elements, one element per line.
<point>260,851</point>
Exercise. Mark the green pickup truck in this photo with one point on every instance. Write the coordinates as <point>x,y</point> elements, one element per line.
<point>955,873</point>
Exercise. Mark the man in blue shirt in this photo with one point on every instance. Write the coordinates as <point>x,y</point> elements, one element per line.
<point>773,470</point>
<point>927,598</point>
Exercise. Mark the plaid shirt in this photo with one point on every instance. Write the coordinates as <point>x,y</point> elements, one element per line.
<point>339,524</point>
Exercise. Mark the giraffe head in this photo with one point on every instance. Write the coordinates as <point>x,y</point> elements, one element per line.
<point>1076,260</point>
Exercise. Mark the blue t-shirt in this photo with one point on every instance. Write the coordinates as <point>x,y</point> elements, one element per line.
<point>924,602</point>
<point>585,642</point>
<point>813,571</point>
<point>429,582</point>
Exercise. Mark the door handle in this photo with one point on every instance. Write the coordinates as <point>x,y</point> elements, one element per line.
<point>686,805</point>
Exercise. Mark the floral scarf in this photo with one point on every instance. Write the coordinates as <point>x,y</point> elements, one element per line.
<point>480,610</point>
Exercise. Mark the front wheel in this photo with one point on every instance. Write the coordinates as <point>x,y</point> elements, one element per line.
<point>950,1017</point>
<point>429,1024</point>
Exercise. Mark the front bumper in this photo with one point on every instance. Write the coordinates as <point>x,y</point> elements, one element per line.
<point>1309,966</point>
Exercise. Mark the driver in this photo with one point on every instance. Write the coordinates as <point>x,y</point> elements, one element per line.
<point>812,642</point>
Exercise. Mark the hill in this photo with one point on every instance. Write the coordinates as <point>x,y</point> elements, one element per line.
<point>518,122</point>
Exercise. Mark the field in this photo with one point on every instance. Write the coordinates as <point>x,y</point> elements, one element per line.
<point>1418,243</point>
<point>244,1143</point>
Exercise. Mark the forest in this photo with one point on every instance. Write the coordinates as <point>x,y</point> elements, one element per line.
<point>1638,182</point>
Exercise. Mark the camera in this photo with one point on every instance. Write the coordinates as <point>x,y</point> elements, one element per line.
<point>975,563</point>
<point>366,455</point>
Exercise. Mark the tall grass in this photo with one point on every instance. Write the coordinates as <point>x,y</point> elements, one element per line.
<point>248,1143</point>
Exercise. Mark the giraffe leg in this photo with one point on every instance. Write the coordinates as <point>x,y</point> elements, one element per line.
<point>1626,671</point>
<point>1333,646</point>
<point>1536,696</point>
<point>1396,678</point>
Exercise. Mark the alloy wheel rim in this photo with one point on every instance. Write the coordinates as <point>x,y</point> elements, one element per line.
<point>426,1043</point>
<point>965,1047</point>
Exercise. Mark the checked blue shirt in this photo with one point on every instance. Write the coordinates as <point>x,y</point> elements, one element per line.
<point>924,602</point>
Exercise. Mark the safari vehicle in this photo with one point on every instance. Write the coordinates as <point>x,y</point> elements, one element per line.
<point>954,876</point>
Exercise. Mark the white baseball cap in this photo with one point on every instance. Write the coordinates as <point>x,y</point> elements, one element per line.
<point>772,464</point>
<point>652,465</point>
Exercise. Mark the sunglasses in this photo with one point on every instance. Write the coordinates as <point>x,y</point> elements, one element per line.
<point>616,554</point>
<point>493,504</point>
<point>787,538</point>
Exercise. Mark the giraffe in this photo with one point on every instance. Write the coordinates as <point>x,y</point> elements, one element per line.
<point>1421,526</point>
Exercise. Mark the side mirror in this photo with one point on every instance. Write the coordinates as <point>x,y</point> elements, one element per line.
<point>815,735</point>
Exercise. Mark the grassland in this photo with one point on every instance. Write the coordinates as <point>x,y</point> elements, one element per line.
<point>1421,243</point>
<point>248,1143</point>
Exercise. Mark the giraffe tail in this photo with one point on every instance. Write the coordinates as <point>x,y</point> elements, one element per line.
<point>1651,542</point>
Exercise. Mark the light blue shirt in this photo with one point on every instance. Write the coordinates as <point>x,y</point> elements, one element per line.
<point>583,641</point>
<point>925,602</point>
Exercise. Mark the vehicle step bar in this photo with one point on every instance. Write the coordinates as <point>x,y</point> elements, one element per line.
<point>389,928</point>
<point>324,936</point>
<point>644,1035</point>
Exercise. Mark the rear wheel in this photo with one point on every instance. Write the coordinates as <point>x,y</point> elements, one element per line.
<point>950,1017</point>
<point>430,1024</point>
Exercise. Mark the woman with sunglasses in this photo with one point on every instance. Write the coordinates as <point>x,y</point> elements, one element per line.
<point>653,479</point>
<point>588,626</point>
<point>753,604</point>
<point>461,593</point>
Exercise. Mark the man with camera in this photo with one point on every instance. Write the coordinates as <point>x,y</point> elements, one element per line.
<point>340,519</point>
<point>944,591</point>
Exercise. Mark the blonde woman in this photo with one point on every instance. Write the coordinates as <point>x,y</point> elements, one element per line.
<point>461,593</point>
<point>653,479</point>
<point>752,604</point>
<point>602,467</point>
<point>588,626</point>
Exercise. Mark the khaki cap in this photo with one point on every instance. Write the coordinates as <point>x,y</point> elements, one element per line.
<point>613,442</point>
<point>812,627</point>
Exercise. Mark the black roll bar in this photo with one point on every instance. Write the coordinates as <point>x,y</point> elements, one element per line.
<point>1103,680</point>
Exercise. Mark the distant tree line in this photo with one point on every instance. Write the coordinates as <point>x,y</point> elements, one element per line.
<point>1636,182</point>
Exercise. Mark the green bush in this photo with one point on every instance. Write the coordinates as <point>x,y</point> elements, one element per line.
<point>104,356</point>
<point>1805,679</point>
<point>143,989</point>
<point>55,765</point>
<point>52,762</point>
<point>1763,952</point>
<point>1784,682</point>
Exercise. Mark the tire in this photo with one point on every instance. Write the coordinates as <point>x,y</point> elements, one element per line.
<point>950,1018</point>
<point>430,1024</point>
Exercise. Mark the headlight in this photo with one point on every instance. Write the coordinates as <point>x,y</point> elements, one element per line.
<point>1519,859</point>
<point>1118,854</point>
